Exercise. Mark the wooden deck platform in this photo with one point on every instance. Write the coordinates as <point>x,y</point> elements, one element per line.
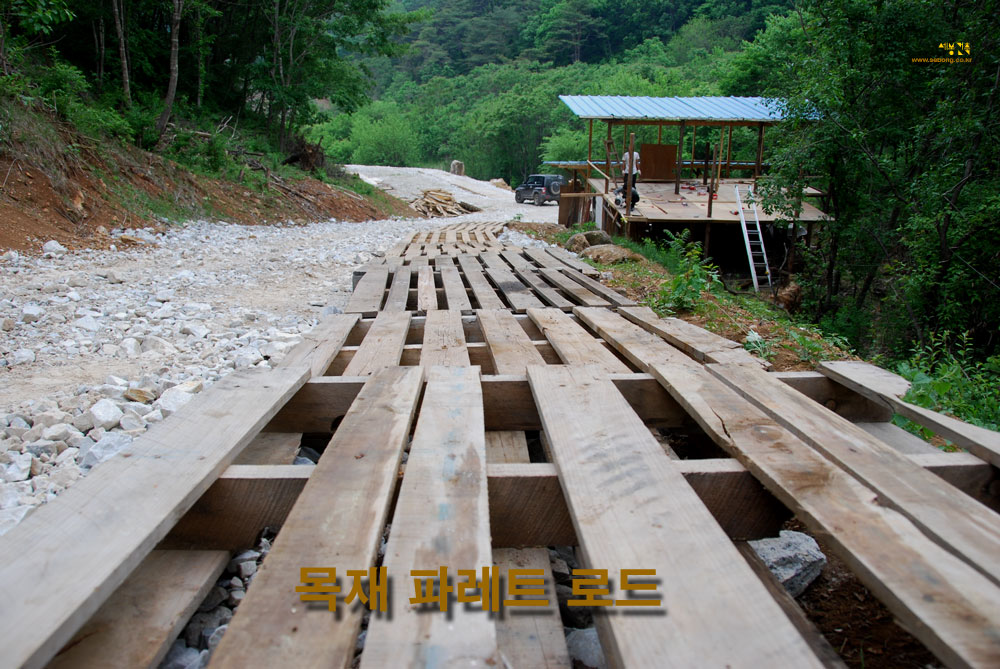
<point>659,204</point>
<point>481,409</point>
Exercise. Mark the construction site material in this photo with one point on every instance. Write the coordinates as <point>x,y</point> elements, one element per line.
<point>584,421</point>
<point>441,203</point>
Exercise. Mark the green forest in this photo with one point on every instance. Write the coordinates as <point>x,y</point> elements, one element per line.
<point>904,141</point>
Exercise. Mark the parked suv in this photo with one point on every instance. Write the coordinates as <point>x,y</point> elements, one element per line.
<point>540,188</point>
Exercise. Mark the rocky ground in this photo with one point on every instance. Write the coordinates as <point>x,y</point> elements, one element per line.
<point>97,344</point>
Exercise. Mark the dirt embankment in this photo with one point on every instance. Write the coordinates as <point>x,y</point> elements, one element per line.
<point>57,184</point>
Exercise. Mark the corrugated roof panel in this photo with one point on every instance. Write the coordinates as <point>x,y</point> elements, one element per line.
<point>618,107</point>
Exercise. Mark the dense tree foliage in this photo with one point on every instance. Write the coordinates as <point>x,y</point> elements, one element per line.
<point>907,152</point>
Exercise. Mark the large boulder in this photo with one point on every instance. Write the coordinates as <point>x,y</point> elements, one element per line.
<point>577,243</point>
<point>609,254</point>
<point>595,237</point>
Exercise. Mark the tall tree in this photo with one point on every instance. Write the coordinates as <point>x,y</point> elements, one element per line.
<point>118,9</point>
<point>175,45</point>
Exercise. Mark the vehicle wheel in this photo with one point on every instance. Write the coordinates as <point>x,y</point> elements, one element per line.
<point>518,197</point>
<point>539,199</point>
<point>555,186</point>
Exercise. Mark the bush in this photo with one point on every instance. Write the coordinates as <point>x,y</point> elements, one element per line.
<point>946,377</point>
<point>692,274</point>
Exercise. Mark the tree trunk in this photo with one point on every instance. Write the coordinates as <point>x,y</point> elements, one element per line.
<point>199,35</point>
<point>175,42</point>
<point>99,51</point>
<point>4,65</point>
<point>122,51</point>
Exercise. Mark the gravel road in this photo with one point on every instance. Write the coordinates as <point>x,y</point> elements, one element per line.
<point>97,345</point>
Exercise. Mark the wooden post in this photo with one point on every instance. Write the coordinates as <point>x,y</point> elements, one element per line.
<point>590,147</point>
<point>607,160</point>
<point>715,169</point>
<point>659,134</point>
<point>729,153</point>
<point>708,237</point>
<point>680,155</point>
<point>760,151</point>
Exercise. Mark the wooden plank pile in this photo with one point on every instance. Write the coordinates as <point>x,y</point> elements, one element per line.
<point>438,203</point>
<point>479,407</point>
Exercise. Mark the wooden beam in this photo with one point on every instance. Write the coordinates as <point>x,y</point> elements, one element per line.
<point>760,151</point>
<point>98,531</point>
<point>955,521</point>
<point>680,156</point>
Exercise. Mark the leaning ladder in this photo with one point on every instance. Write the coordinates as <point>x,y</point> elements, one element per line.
<point>754,241</point>
<point>613,159</point>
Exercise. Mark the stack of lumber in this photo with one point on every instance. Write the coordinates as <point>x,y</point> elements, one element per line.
<point>441,203</point>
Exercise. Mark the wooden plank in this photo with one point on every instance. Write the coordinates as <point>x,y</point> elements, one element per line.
<point>77,549</point>
<point>399,290</point>
<point>527,273</point>
<point>516,293</point>
<point>444,340</point>
<point>454,290</point>
<point>532,636</point>
<point>506,446</point>
<point>137,624</point>
<point>834,396</point>
<point>270,448</point>
<point>575,345</point>
<point>632,509</point>
<point>510,347</point>
<point>599,288</point>
<point>336,522</point>
<point>640,347</point>
<point>883,386</point>
<point>955,521</point>
<point>579,294</point>
<point>441,520</point>
<point>367,296</point>
<point>320,345</point>
<point>571,261</point>
<point>481,288</point>
<point>952,608</point>
<point>897,437</point>
<point>426,292</point>
<point>700,344</point>
<point>382,346</point>
<point>542,258</point>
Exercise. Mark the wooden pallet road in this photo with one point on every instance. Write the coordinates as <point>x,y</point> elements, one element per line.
<point>541,406</point>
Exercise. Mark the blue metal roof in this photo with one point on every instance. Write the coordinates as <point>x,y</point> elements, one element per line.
<point>619,107</point>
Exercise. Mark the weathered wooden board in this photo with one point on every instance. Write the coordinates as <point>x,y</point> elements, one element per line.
<point>506,446</point>
<point>531,636</point>
<point>336,523</point>
<point>576,291</point>
<point>632,509</point>
<point>883,386</point>
<point>956,521</point>
<point>382,346</point>
<point>946,603</point>
<point>137,624</point>
<point>444,340</point>
<point>77,549</point>
<point>575,345</point>
<point>481,288</point>
<point>642,348</point>
<point>399,290</point>
<point>454,290</point>
<point>320,345</point>
<point>441,520</point>
<point>510,347</point>
<point>368,294</point>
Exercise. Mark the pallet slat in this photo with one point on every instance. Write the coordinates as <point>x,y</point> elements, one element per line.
<point>106,524</point>
<point>444,340</point>
<point>632,509</point>
<point>382,346</point>
<point>573,344</point>
<point>441,520</point>
<point>952,608</point>
<point>336,522</point>
<point>885,387</point>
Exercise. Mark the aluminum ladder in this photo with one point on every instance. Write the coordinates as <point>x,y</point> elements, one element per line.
<point>754,241</point>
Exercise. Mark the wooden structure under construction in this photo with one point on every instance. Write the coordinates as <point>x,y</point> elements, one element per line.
<point>488,401</point>
<point>676,190</point>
